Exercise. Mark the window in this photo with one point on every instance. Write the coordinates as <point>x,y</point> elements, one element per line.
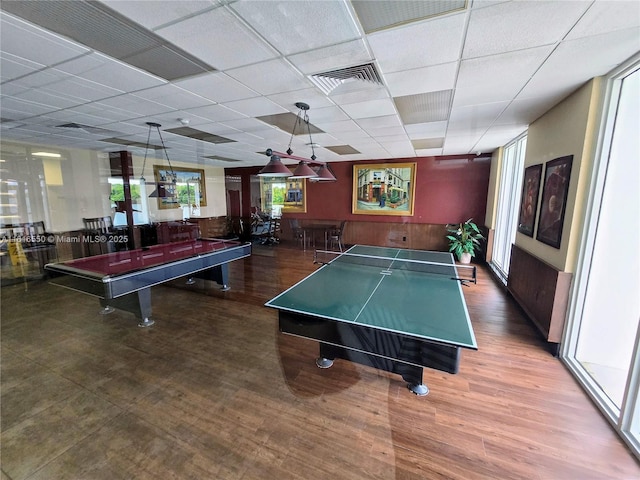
<point>508,205</point>
<point>601,347</point>
<point>138,202</point>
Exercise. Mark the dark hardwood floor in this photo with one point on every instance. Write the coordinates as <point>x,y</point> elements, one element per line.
<point>213,391</point>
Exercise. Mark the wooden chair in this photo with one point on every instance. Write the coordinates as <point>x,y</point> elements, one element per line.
<point>94,228</point>
<point>298,233</point>
<point>270,234</point>
<point>335,236</point>
<point>100,225</point>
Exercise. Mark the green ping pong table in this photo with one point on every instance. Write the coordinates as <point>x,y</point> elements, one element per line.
<point>394,309</point>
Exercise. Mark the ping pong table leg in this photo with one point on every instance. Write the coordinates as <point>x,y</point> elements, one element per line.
<point>413,376</point>
<point>326,356</point>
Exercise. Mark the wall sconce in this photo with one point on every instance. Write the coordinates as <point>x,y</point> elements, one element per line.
<point>275,168</point>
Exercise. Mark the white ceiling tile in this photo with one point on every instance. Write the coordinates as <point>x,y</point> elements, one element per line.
<point>214,113</point>
<point>472,117</point>
<point>422,80</point>
<point>376,132</point>
<point>372,108</point>
<point>355,91</point>
<point>267,78</point>
<point>399,149</point>
<point>355,136</point>
<point>332,57</point>
<point>380,122</point>
<point>46,97</point>
<point>455,145</point>
<point>311,96</point>
<point>40,78</point>
<point>154,13</point>
<point>338,127</point>
<point>255,107</point>
<point>494,78</point>
<point>230,44</point>
<point>586,57</point>
<point>428,152</point>
<point>13,67</point>
<point>519,25</point>
<point>218,87</point>
<point>524,111</point>
<point>419,44</point>
<point>246,124</point>
<point>22,39</point>
<point>124,77</point>
<point>326,114</point>
<point>137,106</point>
<point>84,89</point>
<point>171,96</point>
<point>426,130</point>
<point>28,108</point>
<point>497,136</point>
<point>295,26</point>
<point>605,16</point>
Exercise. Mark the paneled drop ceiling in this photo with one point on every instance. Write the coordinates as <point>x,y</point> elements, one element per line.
<point>384,79</point>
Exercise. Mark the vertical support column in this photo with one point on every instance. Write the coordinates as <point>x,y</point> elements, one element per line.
<point>122,166</point>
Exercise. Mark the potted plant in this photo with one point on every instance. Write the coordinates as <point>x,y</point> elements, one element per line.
<point>464,238</point>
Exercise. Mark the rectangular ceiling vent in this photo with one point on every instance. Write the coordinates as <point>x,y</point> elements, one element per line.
<point>86,128</point>
<point>131,143</point>
<point>343,149</point>
<point>383,14</point>
<point>221,159</point>
<point>287,122</point>
<point>328,81</point>
<point>96,26</point>
<point>199,135</point>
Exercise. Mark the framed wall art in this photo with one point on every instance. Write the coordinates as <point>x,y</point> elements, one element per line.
<point>557,174</point>
<point>180,187</point>
<point>384,189</point>
<point>529,200</point>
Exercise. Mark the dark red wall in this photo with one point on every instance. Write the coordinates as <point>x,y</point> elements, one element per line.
<point>449,189</point>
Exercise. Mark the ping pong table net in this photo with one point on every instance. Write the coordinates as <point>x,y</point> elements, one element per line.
<point>465,274</point>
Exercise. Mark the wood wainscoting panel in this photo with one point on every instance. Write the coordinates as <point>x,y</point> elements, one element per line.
<point>541,290</point>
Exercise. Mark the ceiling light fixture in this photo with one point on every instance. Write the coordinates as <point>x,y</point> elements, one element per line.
<point>275,167</point>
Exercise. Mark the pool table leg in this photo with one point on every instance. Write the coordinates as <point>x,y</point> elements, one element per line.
<point>218,274</point>
<point>144,301</point>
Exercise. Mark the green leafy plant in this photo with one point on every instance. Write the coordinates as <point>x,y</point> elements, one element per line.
<point>464,237</point>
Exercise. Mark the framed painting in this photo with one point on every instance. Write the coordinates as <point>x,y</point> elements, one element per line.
<point>180,186</point>
<point>384,189</point>
<point>280,195</point>
<point>529,200</point>
<point>295,198</point>
<point>557,174</point>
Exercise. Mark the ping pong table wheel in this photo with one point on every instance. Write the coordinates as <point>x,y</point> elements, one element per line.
<point>419,389</point>
<point>107,309</point>
<point>322,362</point>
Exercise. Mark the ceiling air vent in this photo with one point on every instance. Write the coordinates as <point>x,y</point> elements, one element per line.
<point>86,128</point>
<point>328,81</point>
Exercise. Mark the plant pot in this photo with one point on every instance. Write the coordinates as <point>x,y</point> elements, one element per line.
<point>465,257</point>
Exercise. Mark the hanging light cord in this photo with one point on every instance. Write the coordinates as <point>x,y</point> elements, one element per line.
<point>289,151</point>
<point>173,174</point>
<point>313,150</point>
<point>146,148</point>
